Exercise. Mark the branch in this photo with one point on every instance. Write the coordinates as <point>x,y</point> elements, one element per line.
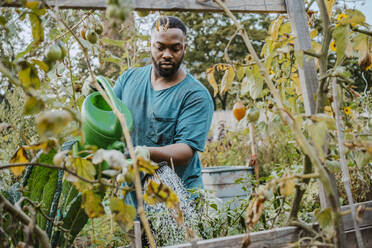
<point>316,55</point>
<point>38,207</point>
<point>345,170</point>
<point>323,59</point>
<point>6,166</point>
<point>74,26</point>
<point>361,31</point>
<point>25,219</point>
<point>226,55</point>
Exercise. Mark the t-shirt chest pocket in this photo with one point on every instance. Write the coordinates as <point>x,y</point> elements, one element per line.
<point>162,129</point>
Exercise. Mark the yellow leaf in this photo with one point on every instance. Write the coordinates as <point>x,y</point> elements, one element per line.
<point>19,157</point>
<point>92,204</point>
<point>240,73</point>
<point>227,80</point>
<point>45,146</point>
<point>161,193</point>
<point>51,123</point>
<point>41,64</point>
<point>329,5</point>
<point>33,105</point>
<point>124,214</point>
<point>287,187</point>
<point>313,33</point>
<point>353,17</point>
<point>85,169</point>
<point>212,81</point>
<point>32,4</point>
<point>147,166</point>
<point>37,29</point>
<point>274,27</point>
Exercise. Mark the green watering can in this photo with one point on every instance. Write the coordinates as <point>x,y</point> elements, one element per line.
<point>99,123</point>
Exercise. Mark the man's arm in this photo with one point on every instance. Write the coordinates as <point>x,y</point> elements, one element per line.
<point>180,153</point>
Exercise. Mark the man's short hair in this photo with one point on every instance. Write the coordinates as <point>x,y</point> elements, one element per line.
<point>170,22</point>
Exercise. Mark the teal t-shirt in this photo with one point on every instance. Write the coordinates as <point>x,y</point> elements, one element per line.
<point>179,114</point>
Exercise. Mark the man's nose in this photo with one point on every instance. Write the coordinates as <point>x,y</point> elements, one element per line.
<point>167,54</point>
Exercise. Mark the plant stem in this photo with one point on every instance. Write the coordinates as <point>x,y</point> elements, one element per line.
<point>323,58</point>
<point>6,166</point>
<point>25,219</point>
<point>299,192</point>
<point>345,170</point>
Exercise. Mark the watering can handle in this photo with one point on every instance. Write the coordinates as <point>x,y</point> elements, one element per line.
<point>108,90</point>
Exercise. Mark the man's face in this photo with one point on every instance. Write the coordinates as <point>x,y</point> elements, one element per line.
<point>167,50</point>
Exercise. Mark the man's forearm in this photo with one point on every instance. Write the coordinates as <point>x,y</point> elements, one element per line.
<point>180,153</point>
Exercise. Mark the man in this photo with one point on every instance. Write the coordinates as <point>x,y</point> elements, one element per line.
<point>171,110</point>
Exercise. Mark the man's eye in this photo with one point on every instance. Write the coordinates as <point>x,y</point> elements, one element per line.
<point>160,48</point>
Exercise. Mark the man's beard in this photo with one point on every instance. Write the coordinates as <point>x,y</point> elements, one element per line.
<point>165,72</point>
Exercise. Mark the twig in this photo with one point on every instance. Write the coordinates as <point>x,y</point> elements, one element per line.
<point>345,170</point>
<point>303,226</point>
<point>73,27</point>
<point>6,166</point>
<point>316,55</point>
<point>25,219</point>
<point>226,51</point>
<point>323,59</point>
<point>38,207</point>
<point>361,31</point>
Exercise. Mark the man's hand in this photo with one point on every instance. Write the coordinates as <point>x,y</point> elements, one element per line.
<point>142,151</point>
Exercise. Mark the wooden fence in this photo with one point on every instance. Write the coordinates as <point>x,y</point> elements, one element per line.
<point>282,237</point>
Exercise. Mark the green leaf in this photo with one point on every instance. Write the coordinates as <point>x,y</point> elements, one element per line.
<point>3,21</point>
<point>354,17</point>
<point>342,35</point>
<point>240,73</point>
<point>112,59</point>
<point>325,218</point>
<point>41,64</point>
<point>124,214</point>
<point>119,43</point>
<point>37,29</point>
<point>33,105</point>
<point>244,88</point>
<point>333,165</point>
<point>51,123</point>
<point>318,133</point>
<point>92,204</point>
<point>254,82</point>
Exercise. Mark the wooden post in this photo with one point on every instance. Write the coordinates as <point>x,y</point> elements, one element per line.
<point>307,73</point>
<point>256,6</point>
<point>137,234</point>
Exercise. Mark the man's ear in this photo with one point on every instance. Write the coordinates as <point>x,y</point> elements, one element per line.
<point>185,48</point>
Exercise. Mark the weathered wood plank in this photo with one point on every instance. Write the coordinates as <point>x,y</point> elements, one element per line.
<point>307,73</point>
<point>280,237</point>
<point>366,219</point>
<point>272,238</point>
<point>263,6</point>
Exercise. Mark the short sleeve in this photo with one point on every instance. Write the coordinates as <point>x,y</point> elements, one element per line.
<point>119,84</point>
<point>194,121</point>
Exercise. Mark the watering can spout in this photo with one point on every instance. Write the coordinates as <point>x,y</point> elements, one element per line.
<point>100,126</point>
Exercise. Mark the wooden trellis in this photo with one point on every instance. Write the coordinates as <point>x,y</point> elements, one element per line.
<point>307,73</point>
